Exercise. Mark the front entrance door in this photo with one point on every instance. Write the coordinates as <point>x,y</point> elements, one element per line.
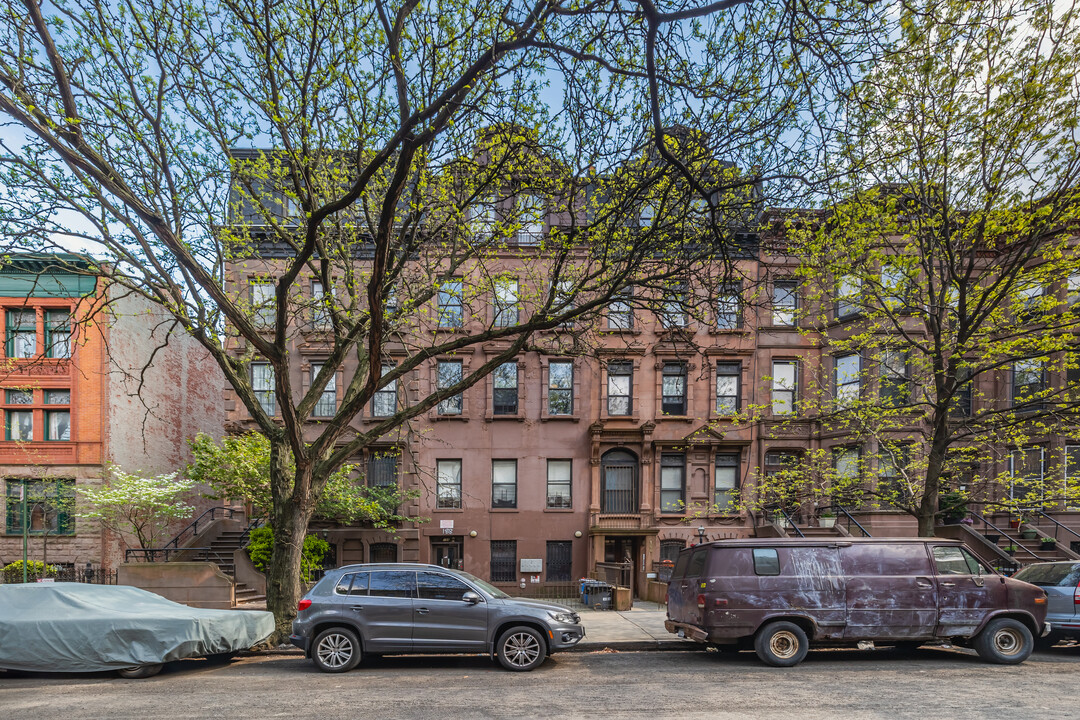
<point>446,552</point>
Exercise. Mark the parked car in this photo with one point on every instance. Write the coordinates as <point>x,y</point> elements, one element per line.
<point>72,627</point>
<point>782,595</point>
<point>394,608</point>
<point>1061,581</point>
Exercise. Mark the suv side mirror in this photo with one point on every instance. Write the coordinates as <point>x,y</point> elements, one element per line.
<point>470,597</point>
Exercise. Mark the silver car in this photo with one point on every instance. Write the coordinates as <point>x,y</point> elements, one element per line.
<point>1061,581</point>
<point>394,608</point>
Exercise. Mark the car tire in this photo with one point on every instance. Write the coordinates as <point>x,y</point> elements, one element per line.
<point>336,650</point>
<point>1004,641</point>
<point>520,649</point>
<point>140,671</point>
<point>781,644</point>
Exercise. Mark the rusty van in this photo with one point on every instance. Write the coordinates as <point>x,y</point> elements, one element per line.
<point>780,596</point>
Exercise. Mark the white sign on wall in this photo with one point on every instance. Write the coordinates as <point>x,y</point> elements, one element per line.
<point>446,524</point>
<point>532,565</point>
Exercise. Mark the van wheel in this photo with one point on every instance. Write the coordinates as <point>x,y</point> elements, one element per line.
<point>781,644</point>
<point>140,671</point>
<point>1004,641</point>
<point>521,648</point>
<point>336,650</point>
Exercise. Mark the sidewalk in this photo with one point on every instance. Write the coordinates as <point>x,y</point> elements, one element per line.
<point>641,628</point>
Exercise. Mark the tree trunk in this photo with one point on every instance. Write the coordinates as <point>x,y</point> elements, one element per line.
<point>939,445</point>
<point>289,520</point>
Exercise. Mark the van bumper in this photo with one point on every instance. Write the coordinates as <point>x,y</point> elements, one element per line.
<point>686,630</point>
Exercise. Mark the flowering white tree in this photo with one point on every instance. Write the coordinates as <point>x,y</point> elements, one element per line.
<point>131,504</point>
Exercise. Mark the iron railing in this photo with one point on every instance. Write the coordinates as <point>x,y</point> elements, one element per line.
<point>775,513</point>
<point>849,519</point>
<point>1074,544</point>
<point>193,527</point>
<point>87,574</point>
<point>165,554</point>
<point>987,524</point>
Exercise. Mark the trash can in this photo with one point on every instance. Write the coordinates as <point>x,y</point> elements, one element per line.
<point>596,594</point>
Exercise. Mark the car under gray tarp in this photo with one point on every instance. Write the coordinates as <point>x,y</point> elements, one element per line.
<point>73,627</point>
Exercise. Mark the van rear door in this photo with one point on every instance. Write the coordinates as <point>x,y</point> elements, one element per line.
<point>684,586</point>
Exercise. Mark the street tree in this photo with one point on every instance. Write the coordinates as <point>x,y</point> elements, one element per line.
<point>132,504</point>
<point>943,279</point>
<point>607,152</point>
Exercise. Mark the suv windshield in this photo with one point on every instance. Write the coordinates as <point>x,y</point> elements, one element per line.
<point>484,585</point>
<point>1050,574</point>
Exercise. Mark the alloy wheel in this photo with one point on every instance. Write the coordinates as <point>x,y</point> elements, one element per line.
<point>521,649</point>
<point>335,650</point>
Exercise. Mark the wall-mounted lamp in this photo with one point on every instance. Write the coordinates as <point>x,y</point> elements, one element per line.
<point>701,533</point>
<point>472,533</point>
<point>577,533</point>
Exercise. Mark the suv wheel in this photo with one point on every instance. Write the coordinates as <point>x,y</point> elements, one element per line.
<point>1004,641</point>
<point>781,644</point>
<point>521,648</point>
<point>336,650</point>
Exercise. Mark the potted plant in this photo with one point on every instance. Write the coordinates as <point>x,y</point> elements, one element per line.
<point>1014,523</point>
<point>1029,533</point>
<point>953,507</point>
<point>992,538</point>
<point>827,519</point>
<point>1048,543</point>
<point>1010,550</point>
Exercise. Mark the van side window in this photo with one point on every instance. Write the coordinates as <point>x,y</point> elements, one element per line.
<point>950,561</point>
<point>680,566</point>
<point>697,563</point>
<point>766,561</point>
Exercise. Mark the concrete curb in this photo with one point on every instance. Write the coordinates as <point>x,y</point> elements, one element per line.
<point>616,646</point>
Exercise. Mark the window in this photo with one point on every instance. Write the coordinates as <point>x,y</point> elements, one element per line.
<point>320,315</point>
<point>846,473</point>
<point>1072,477</point>
<point>563,300</point>
<point>382,470</point>
<point>1028,469</point>
<point>846,380</point>
<point>449,373</point>
<point>482,218</point>
<point>504,483</point>
<point>504,382</point>
<point>728,381</point>
<point>448,484</point>
<point>58,333</point>
<point>531,216</point>
<point>895,385</point>
<point>766,561</point>
<point>262,382</point>
<point>672,483</point>
<point>1072,288</point>
<point>892,489</point>
<point>560,560</point>
<point>506,302</point>
<point>670,549</point>
<point>848,290</point>
<point>620,381</point>
<point>1027,383</point>
<point>436,586</point>
<point>384,402</point>
<point>962,398</point>
<point>895,288</point>
<point>951,560</point>
<point>21,334</point>
<point>1031,298</point>
<point>19,397</point>
<point>784,386</point>
<point>263,303</point>
<point>620,314</point>
<point>503,560</point>
<point>383,552</point>
<point>559,486</point>
<point>57,425</point>
<point>729,306</point>
<point>726,483</point>
<point>561,388</point>
<point>57,397</point>
<point>785,302</point>
<point>326,405</point>
<point>646,214</point>
<point>673,310</point>
<point>19,425</point>
<point>450,306</point>
<point>50,506</point>
<point>394,583</point>
<point>390,300</point>
<point>359,584</point>
<point>673,388</point>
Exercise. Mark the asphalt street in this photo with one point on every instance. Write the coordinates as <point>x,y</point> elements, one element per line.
<point>883,683</point>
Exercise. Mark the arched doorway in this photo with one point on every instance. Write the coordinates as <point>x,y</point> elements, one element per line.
<point>619,470</point>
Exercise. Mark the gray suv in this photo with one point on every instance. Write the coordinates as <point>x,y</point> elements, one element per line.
<point>395,608</point>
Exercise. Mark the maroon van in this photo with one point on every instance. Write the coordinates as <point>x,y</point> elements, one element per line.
<point>780,595</point>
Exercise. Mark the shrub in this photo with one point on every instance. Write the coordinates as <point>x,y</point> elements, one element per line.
<point>13,572</point>
<point>261,544</point>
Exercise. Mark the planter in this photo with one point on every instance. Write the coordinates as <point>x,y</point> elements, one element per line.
<point>991,538</point>
<point>1029,534</point>
<point>1009,551</point>
<point>1049,543</point>
<point>1014,524</point>
<point>826,522</point>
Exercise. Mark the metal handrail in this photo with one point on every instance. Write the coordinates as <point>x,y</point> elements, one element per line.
<point>256,522</point>
<point>227,513</point>
<point>989,524</point>
<point>1057,524</point>
<point>850,518</point>
<point>791,523</point>
<point>152,554</point>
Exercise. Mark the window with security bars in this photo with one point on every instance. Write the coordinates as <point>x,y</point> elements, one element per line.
<point>504,382</point>
<point>560,560</point>
<point>503,560</point>
<point>21,334</point>
<point>326,405</point>
<point>382,470</point>
<point>448,374</point>
<point>50,507</point>
<point>670,549</point>
<point>385,400</point>
<point>619,384</point>
<point>672,483</point>
<point>448,484</point>
<point>726,483</point>
<point>262,382</point>
<point>58,333</point>
<point>504,483</point>
<point>728,380</point>
<point>561,388</point>
<point>729,306</point>
<point>673,386</point>
<point>559,488</point>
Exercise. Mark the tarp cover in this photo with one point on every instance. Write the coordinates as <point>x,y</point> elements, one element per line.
<point>73,627</point>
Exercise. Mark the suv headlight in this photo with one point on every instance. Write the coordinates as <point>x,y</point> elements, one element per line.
<point>564,617</point>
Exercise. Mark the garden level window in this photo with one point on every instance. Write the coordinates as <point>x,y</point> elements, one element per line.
<point>561,388</point>
<point>560,560</point>
<point>559,488</point>
<point>673,386</point>
<point>448,374</point>
<point>728,380</point>
<point>619,384</point>
<point>726,483</point>
<point>448,484</point>
<point>504,382</point>
<point>50,507</point>
<point>504,483</point>
<point>672,483</point>
<point>503,560</point>
<point>385,400</point>
<point>21,334</point>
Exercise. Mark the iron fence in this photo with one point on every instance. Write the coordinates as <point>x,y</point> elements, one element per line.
<point>563,593</point>
<point>86,574</point>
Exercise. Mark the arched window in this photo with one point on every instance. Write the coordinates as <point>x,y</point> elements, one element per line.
<point>383,552</point>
